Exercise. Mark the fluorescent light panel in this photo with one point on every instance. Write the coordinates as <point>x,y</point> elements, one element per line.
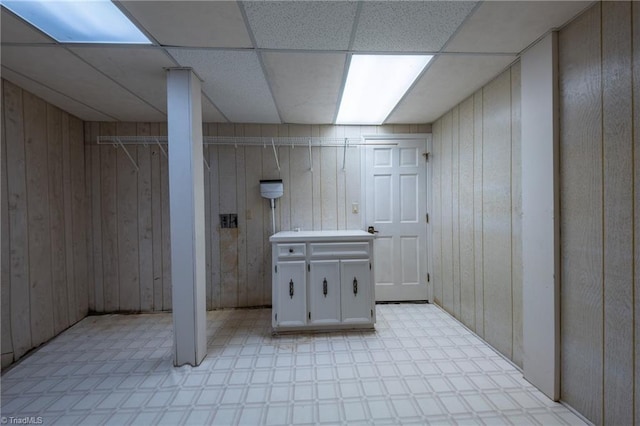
<point>79,21</point>
<point>375,84</point>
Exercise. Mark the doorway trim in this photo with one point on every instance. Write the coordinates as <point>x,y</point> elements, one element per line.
<point>379,139</point>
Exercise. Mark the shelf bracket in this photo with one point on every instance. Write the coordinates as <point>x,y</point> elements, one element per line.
<point>275,154</point>
<point>206,163</point>
<point>135,165</point>
<point>161,149</point>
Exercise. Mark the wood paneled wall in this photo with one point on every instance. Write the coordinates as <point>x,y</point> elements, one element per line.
<point>129,229</point>
<point>44,213</point>
<point>599,69</point>
<point>477,211</point>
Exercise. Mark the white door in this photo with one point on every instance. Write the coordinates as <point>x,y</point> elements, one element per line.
<point>395,190</point>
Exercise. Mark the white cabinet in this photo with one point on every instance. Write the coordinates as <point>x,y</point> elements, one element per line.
<point>322,280</point>
<point>292,293</point>
<point>356,291</point>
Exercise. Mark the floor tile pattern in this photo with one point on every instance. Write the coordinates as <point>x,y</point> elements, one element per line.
<point>420,366</point>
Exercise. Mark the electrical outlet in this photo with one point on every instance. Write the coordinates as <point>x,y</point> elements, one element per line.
<point>355,208</point>
<point>224,221</point>
<point>233,220</point>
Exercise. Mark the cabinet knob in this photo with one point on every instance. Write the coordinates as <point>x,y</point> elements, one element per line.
<point>290,250</point>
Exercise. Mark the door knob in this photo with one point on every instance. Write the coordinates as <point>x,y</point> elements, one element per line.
<point>372,230</point>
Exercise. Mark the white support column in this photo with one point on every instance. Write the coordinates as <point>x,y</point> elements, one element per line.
<point>540,221</point>
<point>186,194</point>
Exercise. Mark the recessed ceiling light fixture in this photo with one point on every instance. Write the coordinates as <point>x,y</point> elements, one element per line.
<point>78,21</point>
<point>375,84</point>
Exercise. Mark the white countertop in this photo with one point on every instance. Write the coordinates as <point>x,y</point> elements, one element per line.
<point>345,235</point>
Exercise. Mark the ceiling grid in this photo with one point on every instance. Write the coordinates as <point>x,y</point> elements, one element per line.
<point>277,61</point>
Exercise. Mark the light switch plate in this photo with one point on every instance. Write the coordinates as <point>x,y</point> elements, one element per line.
<point>355,208</point>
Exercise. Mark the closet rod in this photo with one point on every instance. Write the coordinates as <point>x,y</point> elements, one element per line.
<point>249,141</point>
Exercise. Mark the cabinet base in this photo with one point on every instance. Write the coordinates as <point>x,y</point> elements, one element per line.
<point>323,329</point>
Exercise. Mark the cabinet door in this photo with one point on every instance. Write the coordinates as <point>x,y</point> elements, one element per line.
<point>324,292</point>
<point>356,300</point>
<point>291,307</point>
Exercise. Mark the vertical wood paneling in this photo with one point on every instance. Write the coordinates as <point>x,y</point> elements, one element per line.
<point>455,207</point>
<point>329,181</point>
<point>68,217</point>
<point>96,222</point>
<point>127,220</point>
<point>284,155</point>
<point>436,213</point>
<point>166,226</point>
<point>447,213</point>
<point>228,236</point>
<point>302,184</point>
<point>269,171</point>
<point>78,205</point>
<point>145,222</point>
<point>241,209</point>
<point>207,218</point>
<point>56,222</point>
<point>5,267</point>
<point>467,282</point>
<point>496,193</point>
<point>254,221</point>
<point>88,220</point>
<point>109,207</point>
<point>156,222</point>
<point>239,261</point>
<point>516,214</point>
<point>475,164</point>
<point>40,291</point>
<point>43,199</point>
<point>352,176</point>
<point>478,228</point>
<point>581,215</point>
<point>18,228</point>
<point>618,212</point>
<point>214,187</point>
<point>636,179</point>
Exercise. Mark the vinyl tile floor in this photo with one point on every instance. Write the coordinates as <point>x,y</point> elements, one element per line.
<point>419,366</point>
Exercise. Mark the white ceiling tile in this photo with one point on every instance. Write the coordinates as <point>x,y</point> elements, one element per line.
<point>448,81</point>
<point>58,99</point>
<point>511,26</point>
<point>60,70</point>
<point>311,25</point>
<point>210,113</point>
<point>15,30</point>
<point>306,86</point>
<point>234,81</point>
<point>141,70</point>
<point>192,23</point>
<point>401,26</point>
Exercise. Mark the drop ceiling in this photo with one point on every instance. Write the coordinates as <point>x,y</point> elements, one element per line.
<point>277,61</point>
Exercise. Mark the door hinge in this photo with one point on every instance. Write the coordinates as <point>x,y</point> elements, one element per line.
<point>369,265</point>
<point>428,278</point>
<point>309,267</point>
<point>427,217</point>
<point>276,317</point>
<point>276,269</point>
<point>309,315</point>
<point>426,156</point>
<point>372,313</point>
